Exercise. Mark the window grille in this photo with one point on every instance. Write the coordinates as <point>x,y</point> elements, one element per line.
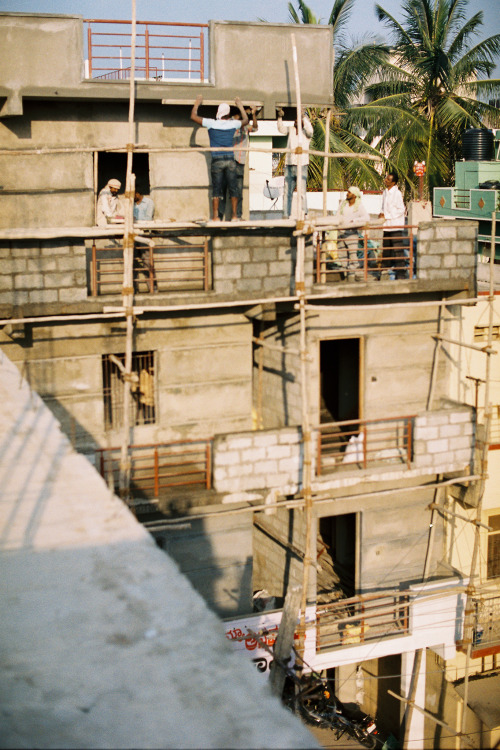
<point>493,570</point>
<point>142,402</point>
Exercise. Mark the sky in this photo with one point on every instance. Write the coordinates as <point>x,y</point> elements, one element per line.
<point>363,19</point>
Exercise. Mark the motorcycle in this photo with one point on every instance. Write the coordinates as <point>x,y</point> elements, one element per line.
<point>310,697</point>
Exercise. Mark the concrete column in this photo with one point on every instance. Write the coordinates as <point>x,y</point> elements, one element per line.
<point>416,734</point>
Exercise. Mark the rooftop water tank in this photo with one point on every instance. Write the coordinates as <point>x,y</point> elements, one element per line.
<point>478,144</point>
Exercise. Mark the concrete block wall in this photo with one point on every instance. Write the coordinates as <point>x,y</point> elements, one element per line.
<point>42,272</point>
<point>252,460</point>
<point>256,266</point>
<point>275,564</point>
<point>444,438</point>
<point>447,250</point>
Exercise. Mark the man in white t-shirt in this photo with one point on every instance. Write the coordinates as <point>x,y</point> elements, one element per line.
<point>223,165</point>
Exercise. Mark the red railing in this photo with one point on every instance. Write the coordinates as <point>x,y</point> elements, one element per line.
<point>162,268</point>
<point>364,443</point>
<point>363,618</point>
<point>159,55</point>
<point>358,255</point>
<point>158,467</point>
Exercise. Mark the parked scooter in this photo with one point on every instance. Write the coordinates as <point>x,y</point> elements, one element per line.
<point>311,697</point>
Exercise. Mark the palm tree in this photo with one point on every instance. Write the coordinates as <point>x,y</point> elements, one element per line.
<point>353,67</point>
<point>434,88</point>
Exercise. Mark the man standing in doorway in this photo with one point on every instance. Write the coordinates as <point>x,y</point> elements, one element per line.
<point>393,213</point>
<point>223,166</point>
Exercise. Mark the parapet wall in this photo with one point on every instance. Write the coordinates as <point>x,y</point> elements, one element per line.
<point>272,459</point>
<point>447,250</point>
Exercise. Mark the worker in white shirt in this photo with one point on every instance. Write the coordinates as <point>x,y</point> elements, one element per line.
<point>291,159</point>
<point>108,204</point>
<point>393,243</point>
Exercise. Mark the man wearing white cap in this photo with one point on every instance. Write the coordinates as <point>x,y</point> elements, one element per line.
<point>223,166</point>
<point>108,203</point>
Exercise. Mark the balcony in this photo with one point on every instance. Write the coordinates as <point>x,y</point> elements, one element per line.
<point>365,443</point>
<point>180,265</point>
<point>361,619</point>
<point>358,256</point>
<point>482,625</point>
<point>159,468</point>
<point>164,51</point>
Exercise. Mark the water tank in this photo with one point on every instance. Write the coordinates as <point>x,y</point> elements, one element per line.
<point>478,145</point>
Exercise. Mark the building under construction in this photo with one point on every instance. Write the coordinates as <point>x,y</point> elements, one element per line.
<point>271,417</point>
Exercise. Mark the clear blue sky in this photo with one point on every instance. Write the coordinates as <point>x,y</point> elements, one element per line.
<point>363,20</point>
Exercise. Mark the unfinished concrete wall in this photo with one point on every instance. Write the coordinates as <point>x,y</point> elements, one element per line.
<point>203,375</point>
<point>279,543</point>
<point>238,50</point>
<point>39,50</point>
<point>277,392</point>
<point>215,554</point>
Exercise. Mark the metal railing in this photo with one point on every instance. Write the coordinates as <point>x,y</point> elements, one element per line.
<point>157,467</point>
<point>482,625</point>
<point>164,50</point>
<point>184,266</point>
<point>348,255</point>
<point>364,443</point>
<point>360,619</point>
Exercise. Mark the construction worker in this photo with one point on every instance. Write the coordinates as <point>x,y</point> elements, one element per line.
<point>108,204</point>
<point>223,166</point>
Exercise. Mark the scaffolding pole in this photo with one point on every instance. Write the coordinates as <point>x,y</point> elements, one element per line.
<point>484,467</point>
<point>128,278</point>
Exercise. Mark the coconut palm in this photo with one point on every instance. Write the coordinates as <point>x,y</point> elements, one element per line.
<point>354,65</point>
<point>435,87</point>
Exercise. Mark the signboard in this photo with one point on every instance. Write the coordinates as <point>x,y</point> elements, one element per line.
<point>265,625</point>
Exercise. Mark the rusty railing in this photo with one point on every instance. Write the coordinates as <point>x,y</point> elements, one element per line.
<point>157,467</point>
<point>348,255</point>
<point>364,443</point>
<point>482,625</point>
<point>163,268</point>
<point>360,619</point>
<point>164,50</point>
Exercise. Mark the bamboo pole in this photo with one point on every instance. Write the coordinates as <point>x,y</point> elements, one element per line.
<point>300,289</point>
<point>484,464</point>
<point>325,160</point>
<point>128,276</point>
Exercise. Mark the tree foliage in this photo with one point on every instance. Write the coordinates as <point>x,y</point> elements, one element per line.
<point>434,87</point>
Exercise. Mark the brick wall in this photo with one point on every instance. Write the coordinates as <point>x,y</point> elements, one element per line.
<point>447,250</point>
<point>444,438</point>
<point>42,272</point>
<point>253,460</point>
<point>260,265</point>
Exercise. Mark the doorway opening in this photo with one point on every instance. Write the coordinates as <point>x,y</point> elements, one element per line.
<point>339,375</point>
<point>336,551</point>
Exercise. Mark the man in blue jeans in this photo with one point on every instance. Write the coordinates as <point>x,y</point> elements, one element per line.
<point>223,167</point>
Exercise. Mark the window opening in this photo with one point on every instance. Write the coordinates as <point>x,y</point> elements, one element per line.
<point>142,403</point>
<point>111,165</point>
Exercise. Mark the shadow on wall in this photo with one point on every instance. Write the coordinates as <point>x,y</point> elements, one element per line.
<point>215,554</point>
